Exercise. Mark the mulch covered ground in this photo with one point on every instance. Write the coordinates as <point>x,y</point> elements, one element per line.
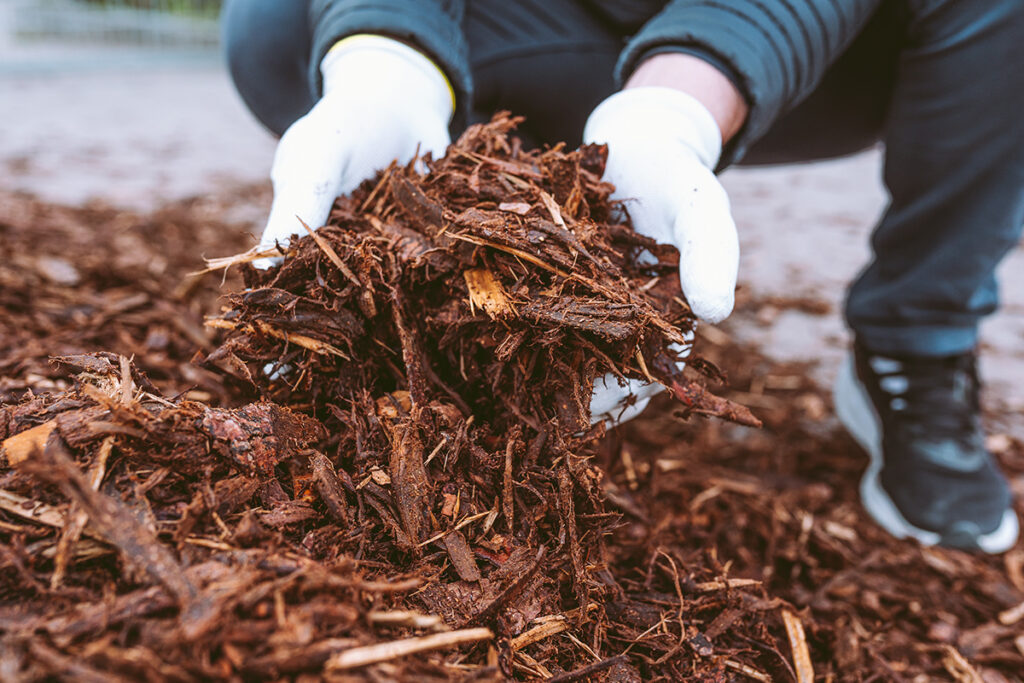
<point>161,520</point>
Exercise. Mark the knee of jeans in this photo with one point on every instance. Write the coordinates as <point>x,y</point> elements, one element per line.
<point>266,48</point>
<point>234,34</point>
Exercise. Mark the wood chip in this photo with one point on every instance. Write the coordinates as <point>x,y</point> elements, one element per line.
<point>958,667</point>
<point>798,644</point>
<point>20,447</point>
<point>460,525</point>
<point>383,652</point>
<point>710,586</point>
<point>462,556</point>
<point>1012,615</point>
<point>409,618</point>
<point>314,345</point>
<point>486,292</point>
<point>539,633</point>
<point>32,510</point>
<point>521,208</point>
<point>748,671</point>
<point>552,206</point>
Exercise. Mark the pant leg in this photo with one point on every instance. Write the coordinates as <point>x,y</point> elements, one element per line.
<point>954,168</point>
<point>551,61</point>
<point>267,44</point>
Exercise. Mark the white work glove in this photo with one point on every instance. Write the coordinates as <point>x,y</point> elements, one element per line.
<point>382,100</point>
<point>663,146</point>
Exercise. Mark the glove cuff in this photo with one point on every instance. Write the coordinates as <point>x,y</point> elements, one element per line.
<point>657,114</point>
<point>371,63</point>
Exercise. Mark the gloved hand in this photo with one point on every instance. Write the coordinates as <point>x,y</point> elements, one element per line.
<point>663,146</point>
<point>616,403</point>
<point>382,100</point>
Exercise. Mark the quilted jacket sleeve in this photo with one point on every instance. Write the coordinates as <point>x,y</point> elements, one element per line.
<point>433,26</point>
<point>776,51</point>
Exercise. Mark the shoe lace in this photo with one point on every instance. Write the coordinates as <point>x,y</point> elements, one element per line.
<point>936,397</point>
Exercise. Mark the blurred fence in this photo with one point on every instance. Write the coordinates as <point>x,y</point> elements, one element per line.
<point>164,23</point>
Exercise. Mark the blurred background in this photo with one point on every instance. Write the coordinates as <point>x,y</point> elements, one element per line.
<point>127,103</point>
<point>121,101</point>
<point>89,34</point>
<point>142,22</point>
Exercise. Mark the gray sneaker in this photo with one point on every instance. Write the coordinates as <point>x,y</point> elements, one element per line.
<point>930,477</point>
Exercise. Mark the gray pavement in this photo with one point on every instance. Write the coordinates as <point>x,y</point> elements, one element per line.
<point>138,136</point>
<point>804,232</point>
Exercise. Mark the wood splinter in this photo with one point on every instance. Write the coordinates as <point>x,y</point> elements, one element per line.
<point>383,652</point>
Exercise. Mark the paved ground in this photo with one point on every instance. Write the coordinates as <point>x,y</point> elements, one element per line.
<point>78,129</point>
<point>804,231</point>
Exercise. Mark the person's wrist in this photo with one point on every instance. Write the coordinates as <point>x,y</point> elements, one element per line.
<point>696,77</point>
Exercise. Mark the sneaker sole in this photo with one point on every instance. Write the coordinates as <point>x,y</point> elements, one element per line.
<point>854,409</point>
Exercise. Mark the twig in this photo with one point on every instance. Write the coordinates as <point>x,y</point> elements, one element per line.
<point>538,633</point>
<point>507,500</point>
<point>679,614</point>
<point>408,618</point>
<point>531,666</point>
<point>399,586</point>
<point>798,644</point>
<point>526,256</point>
<point>1012,615</point>
<point>78,518</point>
<point>33,511</point>
<point>331,254</point>
<point>958,666</point>
<point>643,365</point>
<point>588,670</point>
<point>548,626</point>
<point>314,345</point>
<point>710,586</point>
<point>383,652</point>
<point>747,670</point>
<point>70,668</point>
<point>567,513</point>
<point>465,522</point>
<point>307,658</point>
<point>254,254</point>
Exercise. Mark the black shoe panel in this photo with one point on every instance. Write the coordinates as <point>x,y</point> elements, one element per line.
<point>936,468</point>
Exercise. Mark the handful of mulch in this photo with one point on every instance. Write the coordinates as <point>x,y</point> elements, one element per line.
<point>502,283</point>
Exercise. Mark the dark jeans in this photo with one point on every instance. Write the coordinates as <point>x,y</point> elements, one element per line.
<point>940,82</point>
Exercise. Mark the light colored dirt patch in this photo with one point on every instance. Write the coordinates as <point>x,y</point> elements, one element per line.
<point>135,138</point>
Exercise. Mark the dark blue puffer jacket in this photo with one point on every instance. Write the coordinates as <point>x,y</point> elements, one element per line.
<point>775,50</point>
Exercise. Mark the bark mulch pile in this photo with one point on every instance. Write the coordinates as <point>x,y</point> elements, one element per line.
<point>375,461</point>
